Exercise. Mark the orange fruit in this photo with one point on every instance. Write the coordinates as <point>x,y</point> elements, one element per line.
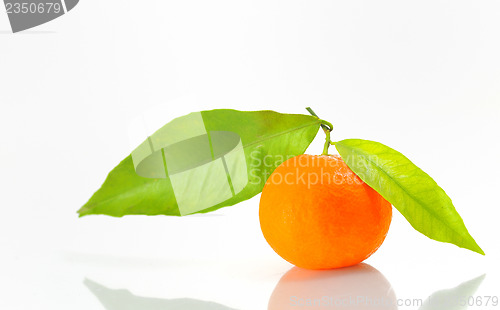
<point>318,214</point>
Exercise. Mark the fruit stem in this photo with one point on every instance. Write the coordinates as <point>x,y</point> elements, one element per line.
<point>327,128</point>
<point>327,143</point>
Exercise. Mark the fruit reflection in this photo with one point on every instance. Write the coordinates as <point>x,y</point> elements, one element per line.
<point>357,287</point>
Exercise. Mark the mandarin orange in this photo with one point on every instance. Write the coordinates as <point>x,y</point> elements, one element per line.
<point>318,214</point>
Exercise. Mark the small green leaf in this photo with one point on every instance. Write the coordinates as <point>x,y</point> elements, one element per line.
<point>409,189</point>
<point>202,162</point>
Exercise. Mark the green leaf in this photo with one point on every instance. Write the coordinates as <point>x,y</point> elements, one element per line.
<point>202,162</point>
<point>409,189</point>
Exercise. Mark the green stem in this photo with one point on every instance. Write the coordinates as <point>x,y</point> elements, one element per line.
<point>311,111</point>
<point>327,143</point>
<point>327,128</point>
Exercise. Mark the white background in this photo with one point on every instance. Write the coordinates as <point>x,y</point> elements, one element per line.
<point>420,76</point>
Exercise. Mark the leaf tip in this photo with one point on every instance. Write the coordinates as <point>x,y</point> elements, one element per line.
<point>83,211</point>
<point>476,248</point>
<point>480,251</point>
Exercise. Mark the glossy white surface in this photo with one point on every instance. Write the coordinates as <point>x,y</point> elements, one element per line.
<point>422,77</point>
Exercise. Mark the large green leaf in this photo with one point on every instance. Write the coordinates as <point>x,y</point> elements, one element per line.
<point>202,162</point>
<point>409,189</point>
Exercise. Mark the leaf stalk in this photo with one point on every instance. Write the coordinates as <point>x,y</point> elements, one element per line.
<point>327,128</point>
